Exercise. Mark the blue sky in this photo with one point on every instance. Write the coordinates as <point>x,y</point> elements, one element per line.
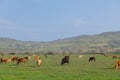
<point>48,20</point>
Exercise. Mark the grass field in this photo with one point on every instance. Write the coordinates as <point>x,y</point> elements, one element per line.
<point>78,69</point>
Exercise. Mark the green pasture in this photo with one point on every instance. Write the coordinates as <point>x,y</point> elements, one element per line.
<point>78,69</point>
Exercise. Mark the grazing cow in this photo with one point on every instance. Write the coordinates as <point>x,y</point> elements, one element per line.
<point>28,58</point>
<point>117,65</point>
<point>22,60</point>
<point>5,60</point>
<point>80,56</point>
<point>37,57</point>
<point>114,57</point>
<point>45,55</point>
<point>65,60</point>
<point>92,58</point>
<point>8,60</point>
<point>38,60</point>
<point>14,58</point>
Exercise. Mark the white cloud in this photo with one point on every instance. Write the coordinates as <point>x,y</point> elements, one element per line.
<point>78,22</point>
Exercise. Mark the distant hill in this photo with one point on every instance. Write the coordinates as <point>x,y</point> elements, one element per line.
<point>105,42</point>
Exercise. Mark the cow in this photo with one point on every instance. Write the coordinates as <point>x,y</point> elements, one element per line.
<point>22,60</point>
<point>65,60</point>
<point>9,60</point>
<point>114,57</point>
<point>14,58</point>
<point>92,59</point>
<point>38,60</point>
<point>80,56</point>
<point>45,55</point>
<point>37,57</point>
<point>117,65</point>
<point>5,60</point>
<point>28,57</point>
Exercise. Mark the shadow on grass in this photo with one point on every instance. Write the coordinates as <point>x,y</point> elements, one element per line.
<point>32,66</point>
<point>109,68</point>
<point>25,65</point>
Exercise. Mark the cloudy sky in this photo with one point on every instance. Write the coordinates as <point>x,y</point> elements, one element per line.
<point>48,20</point>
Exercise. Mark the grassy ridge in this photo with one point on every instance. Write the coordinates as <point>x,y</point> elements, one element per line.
<point>89,43</point>
<point>78,69</point>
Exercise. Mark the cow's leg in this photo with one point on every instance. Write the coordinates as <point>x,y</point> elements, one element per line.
<point>18,63</point>
<point>116,66</point>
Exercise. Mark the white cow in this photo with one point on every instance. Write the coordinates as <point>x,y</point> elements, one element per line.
<point>80,56</point>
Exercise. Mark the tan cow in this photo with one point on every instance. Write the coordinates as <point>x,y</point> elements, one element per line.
<point>37,57</point>
<point>80,56</point>
<point>38,60</point>
<point>117,65</point>
<point>5,60</point>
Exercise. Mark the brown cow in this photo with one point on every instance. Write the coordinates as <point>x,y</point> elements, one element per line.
<point>5,60</point>
<point>28,57</point>
<point>22,60</point>
<point>117,65</point>
<point>65,60</point>
<point>14,58</point>
<point>114,57</point>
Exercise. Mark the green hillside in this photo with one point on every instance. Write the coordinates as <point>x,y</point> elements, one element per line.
<point>105,42</point>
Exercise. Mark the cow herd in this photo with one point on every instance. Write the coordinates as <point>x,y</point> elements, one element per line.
<point>38,60</point>
<point>20,60</point>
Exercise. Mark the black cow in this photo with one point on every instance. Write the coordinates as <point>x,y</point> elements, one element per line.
<point>65,60</point>
<point>92,58</point>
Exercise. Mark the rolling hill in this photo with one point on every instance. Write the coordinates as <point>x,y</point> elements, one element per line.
<point>104,42</point>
